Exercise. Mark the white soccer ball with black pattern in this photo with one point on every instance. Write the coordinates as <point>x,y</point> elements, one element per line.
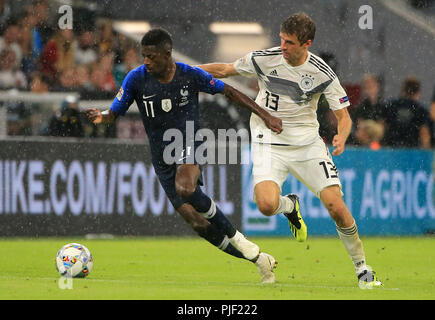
<point>74,260</point>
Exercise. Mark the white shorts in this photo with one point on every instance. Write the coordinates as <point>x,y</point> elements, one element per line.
<point>311,164</point>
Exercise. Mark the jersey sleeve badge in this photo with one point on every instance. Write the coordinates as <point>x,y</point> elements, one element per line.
<point>120,94</point>
<point>344,99</point>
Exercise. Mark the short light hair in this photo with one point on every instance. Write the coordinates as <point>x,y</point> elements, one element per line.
<point>374,130</point>
<point>301,25</point>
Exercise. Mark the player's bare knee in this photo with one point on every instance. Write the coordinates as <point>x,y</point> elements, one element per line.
<point>266,207</point>
<point>184,190</point>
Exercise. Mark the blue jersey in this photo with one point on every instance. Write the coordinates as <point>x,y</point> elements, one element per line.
<point>165,106</point>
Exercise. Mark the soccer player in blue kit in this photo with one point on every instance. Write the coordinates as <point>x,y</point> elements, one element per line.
<point>166,93</point>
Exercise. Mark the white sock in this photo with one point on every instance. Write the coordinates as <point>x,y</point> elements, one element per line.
<point>285,205</point>
<point>249,249</point>
<point>353,244</point>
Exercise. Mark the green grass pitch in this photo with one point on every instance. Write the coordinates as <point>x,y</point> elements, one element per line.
<point>187,268</point>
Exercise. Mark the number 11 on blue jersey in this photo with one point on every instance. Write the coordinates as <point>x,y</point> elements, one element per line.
<point>151,108</point>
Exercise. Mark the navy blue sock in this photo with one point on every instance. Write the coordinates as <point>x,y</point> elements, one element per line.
<point>213,235</point>
<point>233,251</point>
<point>223,222</point>
<point>203,204</point>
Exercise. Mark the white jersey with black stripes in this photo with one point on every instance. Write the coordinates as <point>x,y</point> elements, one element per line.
<point>290,93</point>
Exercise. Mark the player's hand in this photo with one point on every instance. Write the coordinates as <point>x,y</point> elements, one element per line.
<point>94,115</point>
<point>274,124</point>
<point>338,142</point>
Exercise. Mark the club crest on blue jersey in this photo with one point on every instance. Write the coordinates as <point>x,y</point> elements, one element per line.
<point>184,96</point>
<point>184,92</point>
<point>166,105</point>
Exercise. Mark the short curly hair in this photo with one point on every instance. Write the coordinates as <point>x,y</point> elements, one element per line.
<point>301,25</point>
<point>158,37</point>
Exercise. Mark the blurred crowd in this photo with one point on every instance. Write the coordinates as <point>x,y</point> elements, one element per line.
<point>92,60</point>
<point>36,55</point>
<point>402,122</point>
<point>396,122</point>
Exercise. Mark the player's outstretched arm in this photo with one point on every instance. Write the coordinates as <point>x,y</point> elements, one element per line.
<point>273,123</point>
<point>96,116</point>
<point>344,127</point>
<point>219,70</point>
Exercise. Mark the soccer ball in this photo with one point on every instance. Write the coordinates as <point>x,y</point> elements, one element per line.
<point>74,260</point>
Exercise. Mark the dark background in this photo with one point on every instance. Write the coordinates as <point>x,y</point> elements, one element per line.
<point>128,223</point>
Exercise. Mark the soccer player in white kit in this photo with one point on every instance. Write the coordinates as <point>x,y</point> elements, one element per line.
<point>291,80</point>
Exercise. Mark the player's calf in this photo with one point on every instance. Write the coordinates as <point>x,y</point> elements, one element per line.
<point>337,209</point>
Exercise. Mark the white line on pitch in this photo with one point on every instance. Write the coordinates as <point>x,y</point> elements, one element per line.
<point>204,283</point>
